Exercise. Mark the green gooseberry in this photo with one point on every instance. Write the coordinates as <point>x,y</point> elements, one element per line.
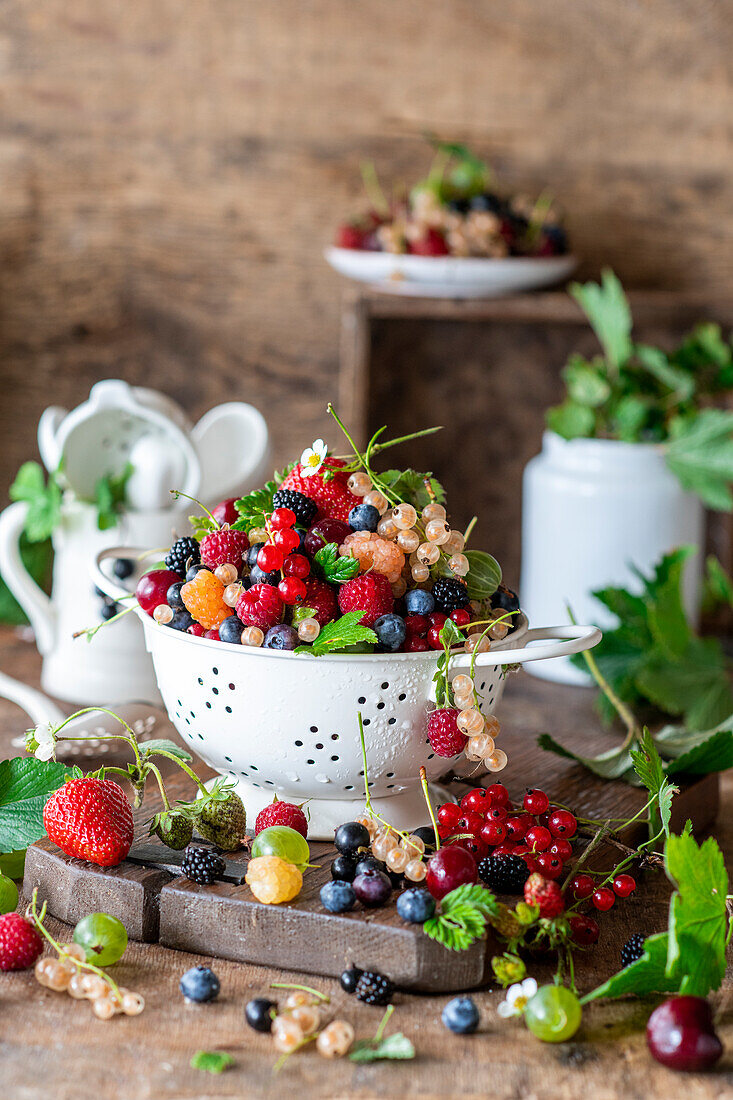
<point>103,937</point>
<point>553,1014</point>
<point>8,895</point>
<point>282,841</point>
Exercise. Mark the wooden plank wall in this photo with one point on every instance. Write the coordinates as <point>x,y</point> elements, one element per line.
<point>169,173</point>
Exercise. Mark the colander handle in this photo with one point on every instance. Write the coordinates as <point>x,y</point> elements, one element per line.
<point>110,585</point>
<point>563,641</point>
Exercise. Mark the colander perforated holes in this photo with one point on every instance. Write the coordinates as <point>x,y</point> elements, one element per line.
<point>349,787</point>
<point>215,691</point>
<point>314,729</point>
<point>201,681</point>
<point>366,722</point>
<point>319,745</point>
<point>298,744</point>
<point>215,671</point>
<point>402,696</point>
<point>228,759</point>
<point>228,710</point>
<point>381,706</point>
<point>310,761</point>
<point>483,685</point>
<point>391,721</point>
<point>334,737</point>
<point>361,699</point>
<point>390,775</point>
<point>253,768</point>
<point>208,705</point>
<point>231,687</point>
<point>334,758</point>
<point>385,685</point>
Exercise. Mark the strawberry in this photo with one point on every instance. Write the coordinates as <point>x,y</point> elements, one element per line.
<point>544,892</point>
<point>90,819</point>
<point>370,593</point>
<point>322,599</point>
<point>282,813</point>
<point>20,944</point>
<point>330,494</point>
<point>260,606</point>
<point>223,546</point>
<point>443,734</point>
<point>221,818</point>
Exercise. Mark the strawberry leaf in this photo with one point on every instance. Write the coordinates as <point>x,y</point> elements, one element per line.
<point>212,1061</point>
<point>339,635</point>
<point>254,507</point>
<point>25,785</point>
<point>335,569</point>
<point>396,1046</point>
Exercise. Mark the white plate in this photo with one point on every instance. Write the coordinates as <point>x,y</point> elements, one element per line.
<point>449,276</point>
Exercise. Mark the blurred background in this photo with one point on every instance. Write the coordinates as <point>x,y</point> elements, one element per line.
<point>170,175</point>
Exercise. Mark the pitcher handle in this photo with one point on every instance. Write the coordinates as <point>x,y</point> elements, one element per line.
<point>31,597</point>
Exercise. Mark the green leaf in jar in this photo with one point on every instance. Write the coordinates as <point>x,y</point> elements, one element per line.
<point>484,574</point>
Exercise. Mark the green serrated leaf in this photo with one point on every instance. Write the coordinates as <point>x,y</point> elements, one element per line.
<point>394,1047</point>
<point>698,916</point>
<point>629,416</point>
<point>255,506</point>
<point>462,917</point>
<point>202,526</point>
<point>700,455</point>
<point>109,496</point>
<point>212,1061</point>
<point>608,312</point>
<point>43,500</point>
<point>586,383</point>
<point>718,586</point>
<point>25,785</point>
<point>162,744</point>
<point>696,686</point>
<point>647,975</point>
<point>339,635</point>
<point>484,574</point>
<point>714,754</point>
<point>335,569</point>
<point>570,420</point>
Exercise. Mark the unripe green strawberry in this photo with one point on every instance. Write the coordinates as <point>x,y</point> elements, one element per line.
<point>173,828</point>
<point>222,819</point>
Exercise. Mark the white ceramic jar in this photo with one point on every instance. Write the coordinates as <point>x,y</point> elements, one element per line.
<point>592,509</point>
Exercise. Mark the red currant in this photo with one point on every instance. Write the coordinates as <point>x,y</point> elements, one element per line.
<point>282,517</point>
<point>493,832</point>
<point>292,590</point>
<point>603,898</point>
<point>213,634</point>
<point>434,637</point>
<point>196,629</point>
<point>532,864</point>
<point>516,826</point>
<point>448,814</point>
<point>469,822</point>
<point>473,845</point>
<point>550,866</point>
<point>450,867</point>
<point>296,565</point>
<point>536,802</point>
<point>562,823</point>
<point>270,558</point>
<point>563,849</point>
<point>538,838</point>
<point>582,886</point>
<point>499,794</point>
<point>460,616</point>
<point>478,801</point>
<point>436,618</point>
<point>286,540</point>
<point>505,850</point>
<point>416,645</point>
<point>624,885</point>
<point>585,930</point>
<point>416,625</point>
<point>497,813</point>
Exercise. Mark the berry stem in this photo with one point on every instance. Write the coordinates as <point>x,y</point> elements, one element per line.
<point>184,767</point>
<point>37,919</point>
<point>383,1023</point>
<point>176,493</point>
<point>90,631</point>
<point>131,740</point>
<point>625,714</point>
<point>469,529</point>
<point>424,785</point>
<point>367,797</point>
<point>159,779</point>
<point>305,988</point>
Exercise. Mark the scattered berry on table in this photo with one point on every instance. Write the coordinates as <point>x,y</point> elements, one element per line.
<point>546,894</point>
<point>370,593</point>
<point>281,636</point>
<point>259,1013</point>
<point>369,863</point>
<point>272,880</point>
<point>563,849</point>
<point>536,802</point>
<point>363,517</point>
<point>343,869</point>
<point>477,801</point>
<point>224,546</point>
<point>445,738</point>
<point>124,568</point>
<point>374,989</point>
<point>603,898</point>
<point>548,865</point>
<point>390,629</point>
<point>624,885</point>
<point>282,841</point>
<point>633,949</point>
<point>350,978</point>
<point>20,944</point>
<point>337,896</point>
<point>90,819</point>
<point>109,609</point>
<point>202,865</point>
<point>350,837</point>
<point>200,985</point>
<point>324,532</point>
<point>449,594</point>
<point>538,838</point>
<point>260,606</point>
<point>416,905</point>
<point>282,813</point>
<point>152,588</point>
<point>183,554</point>
<point>230,629</point>
<point>372,888</point>
<point>553,1015</point>
<point>103,938</point>
<point>203,597</point>
<point>582,886</point>
<point>302,506</point>
<point>680,1034</point>
<point>562,823</point>
<point>461,1016</point>
<point>332,497</point>
<point>585,930</point>
<point>504,874</point>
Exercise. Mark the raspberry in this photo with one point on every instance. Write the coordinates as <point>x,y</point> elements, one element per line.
<point>504,874</point>
<point>260,606</point>
<point>443,734</point>
<point>543,892</point>
<point>633,949</point>
<point>20,944</point>
<point>282,813</point>
<point>321,598</point>
<point>374,989</point>
<point>224,546</point>
<point>332,496</point>
<point>203,597</point>
<point>272,880</point>
<point>305,509</point>
<point>450,594</point>
<point>90,819</point>
<point>183,553</point>
<point>202,865</point>
<point>373,552</point>
<point>370,593</point>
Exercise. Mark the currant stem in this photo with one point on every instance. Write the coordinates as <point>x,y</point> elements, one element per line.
<point>38,918</point>
<point>424,785</point>
<point>90,631</point>
<point>306,989</point>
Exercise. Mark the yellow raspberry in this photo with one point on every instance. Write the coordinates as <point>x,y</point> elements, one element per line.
<point>373,552</point>
<point>203,598</point>
<point>272,880</point>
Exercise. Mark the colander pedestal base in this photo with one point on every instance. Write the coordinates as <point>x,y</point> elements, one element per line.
<point>406,810</point>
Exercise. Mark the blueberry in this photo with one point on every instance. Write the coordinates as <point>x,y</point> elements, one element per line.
<point>350,978</point>
<point>258,1013</point>
<point>194,569</point>
<point>109,610</point>
<point>416,905</point>
<point>419,602</point>
<point>181,620</point>
<point>363,517</point>
<point>200,984</point>
<point>351,836</point>
<point>460,1015</point>
<point>343,869</point>
<point>257,576</point>
<point>338,897</point>
<point>372,888</point>
<point>253,552</point>
<point>300,548</point>
<point>391,631</point>
<point>174,597</point>
<point>487,203</point>
<point>231,630</point>
<point>281,637</point>
<point>123,568</point>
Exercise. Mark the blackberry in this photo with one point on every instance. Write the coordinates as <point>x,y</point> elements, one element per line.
<point>504,874</point>
<point>183,553</point>
<point>305,509</point>
<point>633,949</point>
<point>202,865</point>
<point>374,989</point>
<point>449,594</point>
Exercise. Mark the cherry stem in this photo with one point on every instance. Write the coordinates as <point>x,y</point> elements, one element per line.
<point>176,493</point>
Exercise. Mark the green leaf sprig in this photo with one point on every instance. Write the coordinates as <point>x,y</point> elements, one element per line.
<point>331,567</point>
<point>340,635</point>
<point>25,785</point>
<point>390,1048</point>
<point>462,917</point>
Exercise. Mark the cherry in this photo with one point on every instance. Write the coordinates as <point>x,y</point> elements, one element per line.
<point>624,885</point>
<point>434,637</point>
<point>448,868</point>
<point>493,832</point>
<point>562,823</point>
<point>499,794</point>
<point>585,930</point>
<point>416,645</point>
<point>563,849</point>
<point>286,540</point>
<point>460,616</point>
<point>152,588</point>
<point>292,591</point>
<point>270,558</point>
<point>550,866</point>
<point>416,625</point>
<point>535,801</point>
<point>469,822</point>
<point>603,898</point>
<point>282,517</point>
<point>323,532</point>
<point>680,1034</point>
<point>296,565</point>
<point>437,618</point>
<point>582,886</point>
<point>478,801</point>
<point>517,825</point>
<point>448,814</point>
<point>538,838</point>
<point>225,512</point>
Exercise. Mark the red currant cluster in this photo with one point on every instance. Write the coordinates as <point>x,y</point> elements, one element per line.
<point>423,631</point>
<point>486,820</point>
<point>277,555</point>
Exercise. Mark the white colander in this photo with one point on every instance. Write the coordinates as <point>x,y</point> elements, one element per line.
<point>285,724</point>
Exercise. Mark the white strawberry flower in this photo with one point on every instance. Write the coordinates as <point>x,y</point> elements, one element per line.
<point>516,998</point>
<point>313,458</point>
<point>41,741</point>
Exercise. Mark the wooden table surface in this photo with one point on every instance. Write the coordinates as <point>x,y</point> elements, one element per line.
<point>53,1047</point>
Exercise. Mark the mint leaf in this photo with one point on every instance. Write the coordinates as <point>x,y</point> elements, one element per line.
<point>254,507</point>
<point>700,455</point>
<point>212,1061</point>
<point>697,916</point>
<point>484,574</point>
<point>43,500</point>
<point>339,635</point>
<point>162,744</point>
<point>409,485</point>
<point>332,568</point>
<point>396,1046</point>
<point>25,785</point>
<point>570,420</point>
<point>607,309</point>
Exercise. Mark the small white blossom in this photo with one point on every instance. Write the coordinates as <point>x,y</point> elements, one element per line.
<point>313,458</point>
<point>42,741</point>
<point>516,998</point>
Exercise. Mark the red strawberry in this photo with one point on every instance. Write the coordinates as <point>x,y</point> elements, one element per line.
<point>443,734</point>
<point>260,606</point>
<point>431,244</point>
<point>332,496</point>
<point>90,819</point>
<point>370,593</point>
<point>222,546</point>
<point>322,598</point>
<point>543,892</point>
<point>350,236</point>
<point>282,813</point>
<point>20,944</point>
